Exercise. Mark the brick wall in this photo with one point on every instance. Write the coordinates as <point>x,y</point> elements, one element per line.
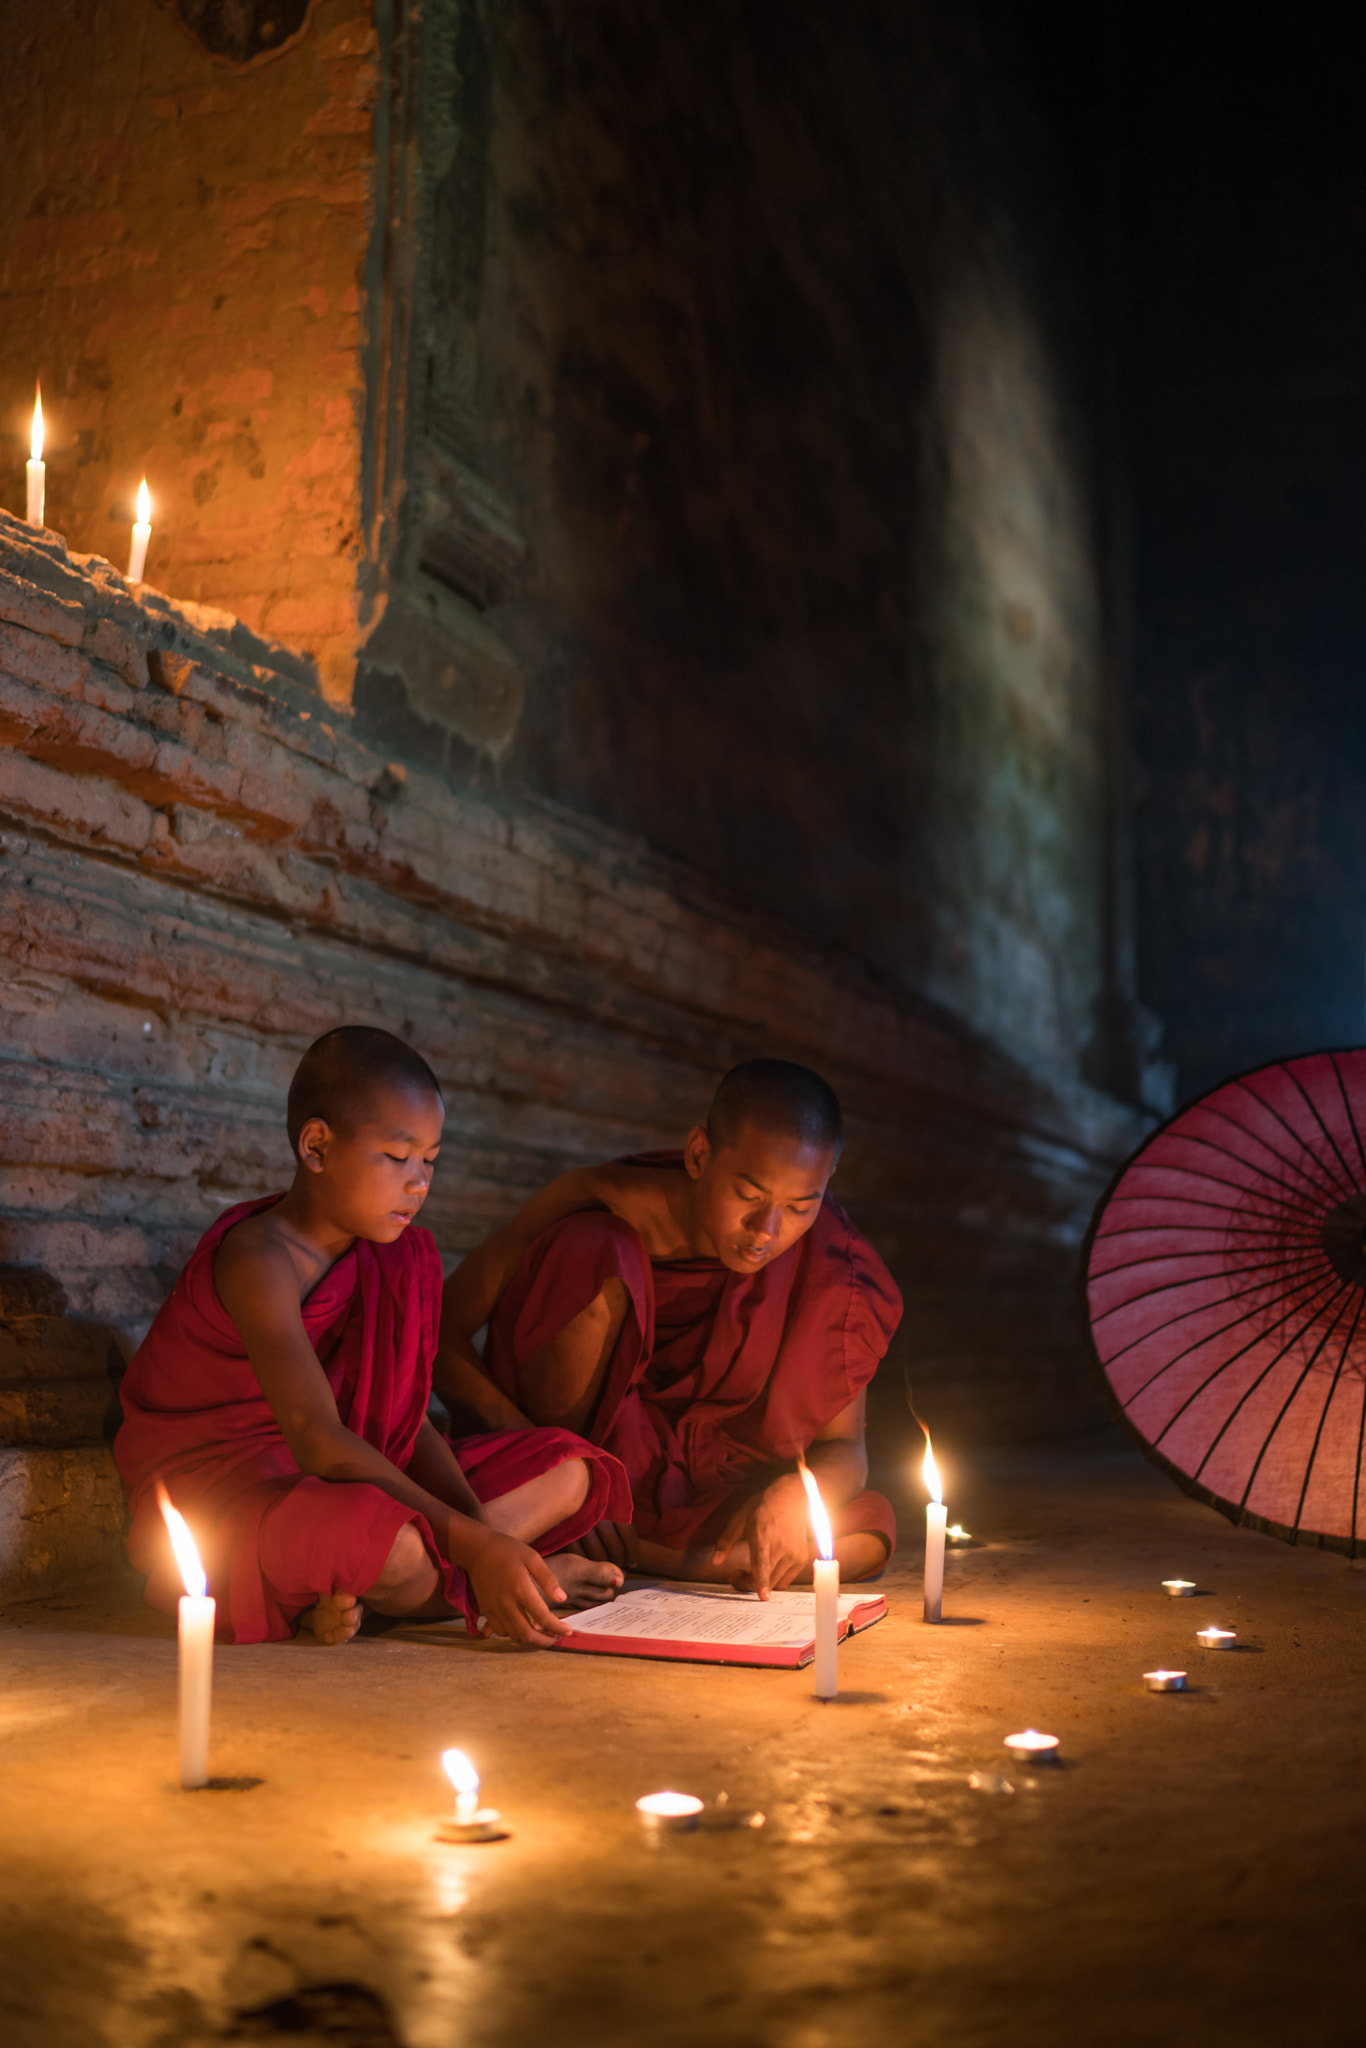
<point>203,869</point>
<point>181,267</point>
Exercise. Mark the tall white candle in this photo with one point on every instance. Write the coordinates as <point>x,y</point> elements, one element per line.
<point>196,1687</point>
<point>37,468</point>
<point>936,1517</point>
<point>826,1572</point>
<point>142,533</point>
<point>196,1650</point>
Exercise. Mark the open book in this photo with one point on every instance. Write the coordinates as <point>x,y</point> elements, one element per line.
<point>715,1625</point>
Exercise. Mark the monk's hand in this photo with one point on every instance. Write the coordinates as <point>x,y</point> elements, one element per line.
<point>512,1584</point>
<point>774,1525</point>
<point>612,1543</point>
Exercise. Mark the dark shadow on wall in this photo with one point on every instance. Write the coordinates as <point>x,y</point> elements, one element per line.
<point>750,475</point>
<point>1248,412</point>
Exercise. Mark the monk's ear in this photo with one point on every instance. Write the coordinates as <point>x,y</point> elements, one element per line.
<point>697,1152</point>
<point>314,1139</point>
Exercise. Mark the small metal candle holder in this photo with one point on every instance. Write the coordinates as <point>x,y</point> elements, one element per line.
<point>668,1813</point>
<point>1216,1638</point>
<point>487,1825</point>
<point>1165,1681</point>
<point>1179,1589</point>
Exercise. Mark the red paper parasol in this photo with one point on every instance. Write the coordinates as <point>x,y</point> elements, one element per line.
<point>1226,1283</point>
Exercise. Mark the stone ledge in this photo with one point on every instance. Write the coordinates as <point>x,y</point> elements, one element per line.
<point>62,1519</point>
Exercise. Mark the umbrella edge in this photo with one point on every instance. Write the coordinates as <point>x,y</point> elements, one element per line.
<point>1241,1518</point>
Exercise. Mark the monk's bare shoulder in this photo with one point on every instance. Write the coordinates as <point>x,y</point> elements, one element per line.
<point>648,1198</point>
<point>256,1250</point>
<point>639,1195</point>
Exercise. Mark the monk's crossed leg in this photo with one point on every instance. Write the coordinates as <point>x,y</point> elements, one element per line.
<point>409,1584</point>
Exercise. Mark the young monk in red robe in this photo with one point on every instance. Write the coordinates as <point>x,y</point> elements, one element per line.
<point>709,1317</point>
<point>281,1396</point>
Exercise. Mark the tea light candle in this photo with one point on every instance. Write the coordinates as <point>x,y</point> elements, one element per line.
<point>1030,1747</point>
<point>142,533</point>
<point>1178,1589</point>
<point>1217,1638</point>
<point>37,468</point>
<point>1165,1681</point>
<point>668,1813</point>
<point>472,1822</point>
<point>956,1533</point>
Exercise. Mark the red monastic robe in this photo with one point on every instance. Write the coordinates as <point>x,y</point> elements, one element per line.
<point>275,1539</point>
<point>717,1376</point>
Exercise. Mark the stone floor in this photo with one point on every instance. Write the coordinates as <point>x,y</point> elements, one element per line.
<point>1194,1871</point>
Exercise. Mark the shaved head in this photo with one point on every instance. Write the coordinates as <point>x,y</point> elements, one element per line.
<point>780,1098</point>
<point>342,1072</point>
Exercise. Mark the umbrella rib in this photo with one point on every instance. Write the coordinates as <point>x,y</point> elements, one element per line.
<point>1328,1402</point>
<point>1239,1295</point>
<point>1283,1197</point>
<point>1187,1280</point>
<point>1292,1205</point>
<point>1347,1106</point>
<point>1313,1109</point>
<point>1285,1405</point>
<point>1203,1201</point>
<point>1314,1185</point>
<point>1255,1339</point>
<point>1270,1366</point>
<point>1117,1202</point>
<point>1289,1130</point>
<point>1223,1231</point>
<point>1309,1190</point>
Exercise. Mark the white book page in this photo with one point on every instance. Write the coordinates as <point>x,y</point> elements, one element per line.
<point>712,1614</point>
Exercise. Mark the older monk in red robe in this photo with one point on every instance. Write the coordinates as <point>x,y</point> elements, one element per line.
<point>710,1317</point>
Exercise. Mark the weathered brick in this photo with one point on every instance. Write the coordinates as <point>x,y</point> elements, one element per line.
<point>117,649</point>
<point>79,807</point>
<point>60,1412</point>
<point>179,771</point>
<point>62,1517</point>
<point>56,618</point>
<point>76,737</point>
<point>34,657</point>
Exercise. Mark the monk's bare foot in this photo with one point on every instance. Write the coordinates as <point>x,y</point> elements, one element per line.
<point>587,1583</point>
<point>335,1619</point>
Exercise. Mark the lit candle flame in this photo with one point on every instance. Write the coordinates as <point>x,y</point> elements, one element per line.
<point>820,1520</point>
<point>183,1544</point>
<point>930,1472</point>
<point>144,504</point>
<point>461,1772</point>
<point>36,439</point>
